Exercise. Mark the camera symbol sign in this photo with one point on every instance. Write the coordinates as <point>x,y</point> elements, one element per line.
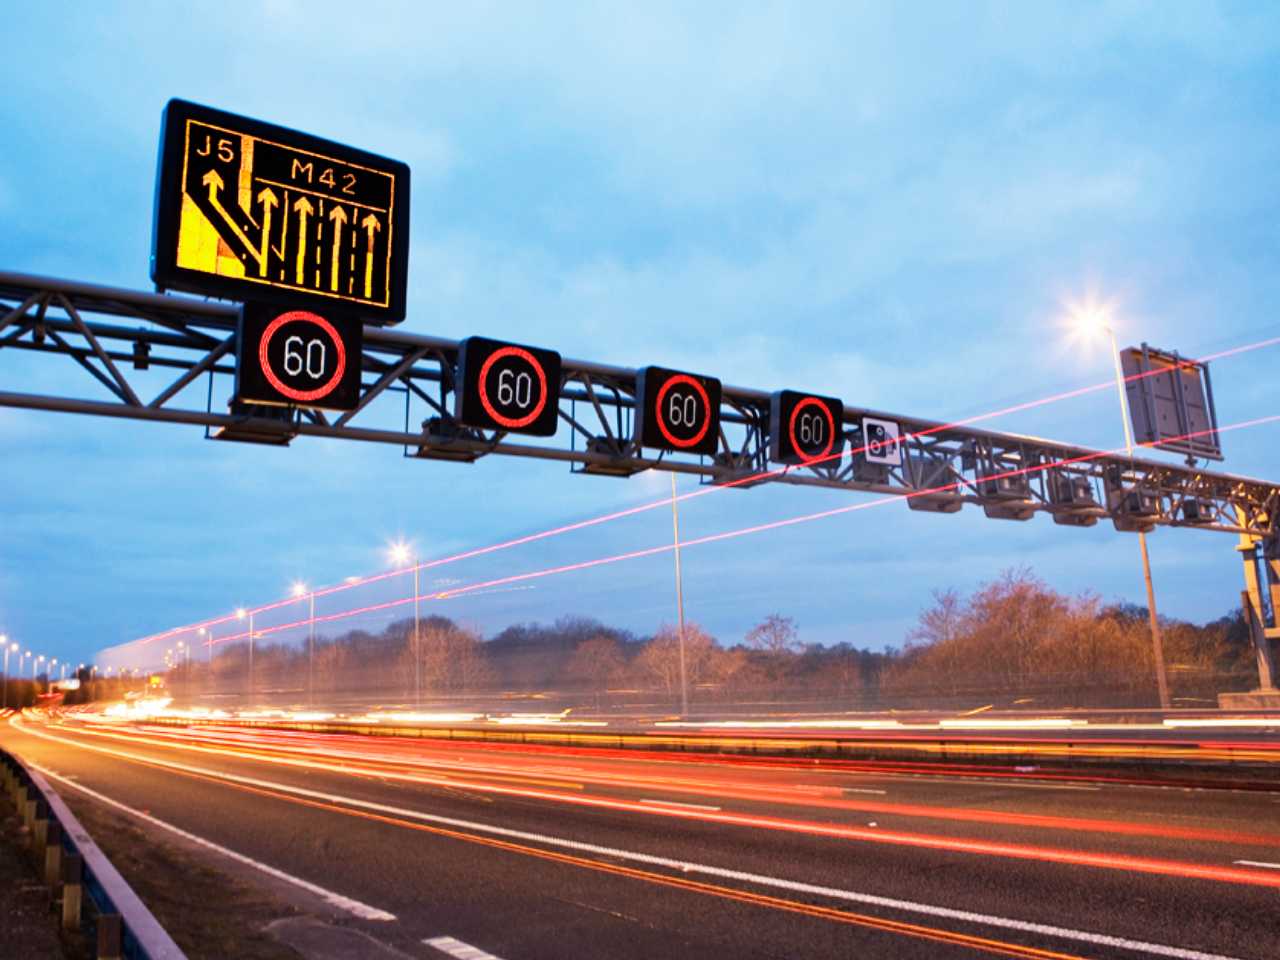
<point>882,441</point>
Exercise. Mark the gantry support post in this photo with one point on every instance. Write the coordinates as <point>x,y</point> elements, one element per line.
<point>1259,555</point>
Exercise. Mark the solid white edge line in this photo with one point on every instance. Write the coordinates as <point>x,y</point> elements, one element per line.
<point>906,906</point>
<point>456,948</point>
<point>1257,863</point>
<point>355,907</point>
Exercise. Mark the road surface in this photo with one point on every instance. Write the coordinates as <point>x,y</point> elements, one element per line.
<point>530,852</point>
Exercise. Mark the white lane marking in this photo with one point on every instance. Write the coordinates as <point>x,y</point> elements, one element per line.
<point>361,910</point>
<point>677,803</point>
<point>1036,786</point>
<point>1258,863</point>
<point>880,793</point>
<point>456,948</point>
<point>906,906</point>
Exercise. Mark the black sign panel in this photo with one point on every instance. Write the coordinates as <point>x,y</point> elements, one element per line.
<point>298,358</point>
<point>505,386</point>
<point>804,428</point>
<point>251,211</point>
<point>677,411</point>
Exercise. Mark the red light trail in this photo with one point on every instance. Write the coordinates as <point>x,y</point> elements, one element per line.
<point>323,762</point>
<point>717,537</point>
<point>666,501</point>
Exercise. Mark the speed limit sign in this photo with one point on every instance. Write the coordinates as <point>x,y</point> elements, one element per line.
<point>677,411</point>
<point>805,429</point>
<point>508,387</point>
<point>298,358</point>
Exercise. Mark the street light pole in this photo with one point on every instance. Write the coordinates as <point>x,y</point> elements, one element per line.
<point>311,652</point>
<point>417,650</point>
<point>675,529</point>
<point>208,642</point>
<point>251,658</point>
<point>1157,640</point>
<point>8,648</point>
<point>400,553</point>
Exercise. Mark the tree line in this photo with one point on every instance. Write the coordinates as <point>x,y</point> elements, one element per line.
<point>1013,640</point>
<point>581,657</point>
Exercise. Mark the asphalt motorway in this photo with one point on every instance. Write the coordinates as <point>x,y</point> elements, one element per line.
<point>529,852</point>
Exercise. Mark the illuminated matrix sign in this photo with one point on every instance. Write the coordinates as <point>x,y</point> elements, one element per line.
<point>298,358</point>
<point>677,411</point>
<point>804,428</point>
<point>251,211</point>
<point>508,387</point>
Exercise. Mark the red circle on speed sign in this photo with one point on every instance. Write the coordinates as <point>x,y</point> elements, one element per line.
<point>301,316</point>
<point>512,423</point>
<point>831,429</point>
<point>706,406</point>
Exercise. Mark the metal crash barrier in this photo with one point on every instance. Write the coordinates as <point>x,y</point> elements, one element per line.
<point>95,899</point>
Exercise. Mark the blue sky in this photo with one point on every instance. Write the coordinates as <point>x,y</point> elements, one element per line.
<point>889,203</point>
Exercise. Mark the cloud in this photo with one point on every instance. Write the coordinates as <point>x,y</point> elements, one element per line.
<point>886,204</point>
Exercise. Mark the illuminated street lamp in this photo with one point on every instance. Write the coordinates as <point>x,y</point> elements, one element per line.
<point>208,644</point>
<point>1093,319</point>
<point>300,590</point>
<point>401,553</point>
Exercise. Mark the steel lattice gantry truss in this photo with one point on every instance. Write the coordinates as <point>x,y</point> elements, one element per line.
<point>110,333</point>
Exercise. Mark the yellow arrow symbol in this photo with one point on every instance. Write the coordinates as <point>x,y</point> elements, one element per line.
<point>214,182</point>
<point>268,200</point>
<point>371,226</point>
<point>304,209</point>
<point>339,217</point>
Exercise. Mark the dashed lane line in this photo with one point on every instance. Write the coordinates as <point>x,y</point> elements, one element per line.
<point>456,948</point>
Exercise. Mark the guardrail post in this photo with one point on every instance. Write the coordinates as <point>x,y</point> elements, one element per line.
<point>53,855</point>
<point>39,830</point>
<point>29,812</point>
<point>72,869</point>
<point>110,942</point>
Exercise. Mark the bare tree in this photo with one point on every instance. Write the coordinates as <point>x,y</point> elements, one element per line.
<point>775,635</point>
<point>660,659</point>
<point>941,622</point>
<point>452,658</point>
<point>778,642</point>
<point>595,662</point>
